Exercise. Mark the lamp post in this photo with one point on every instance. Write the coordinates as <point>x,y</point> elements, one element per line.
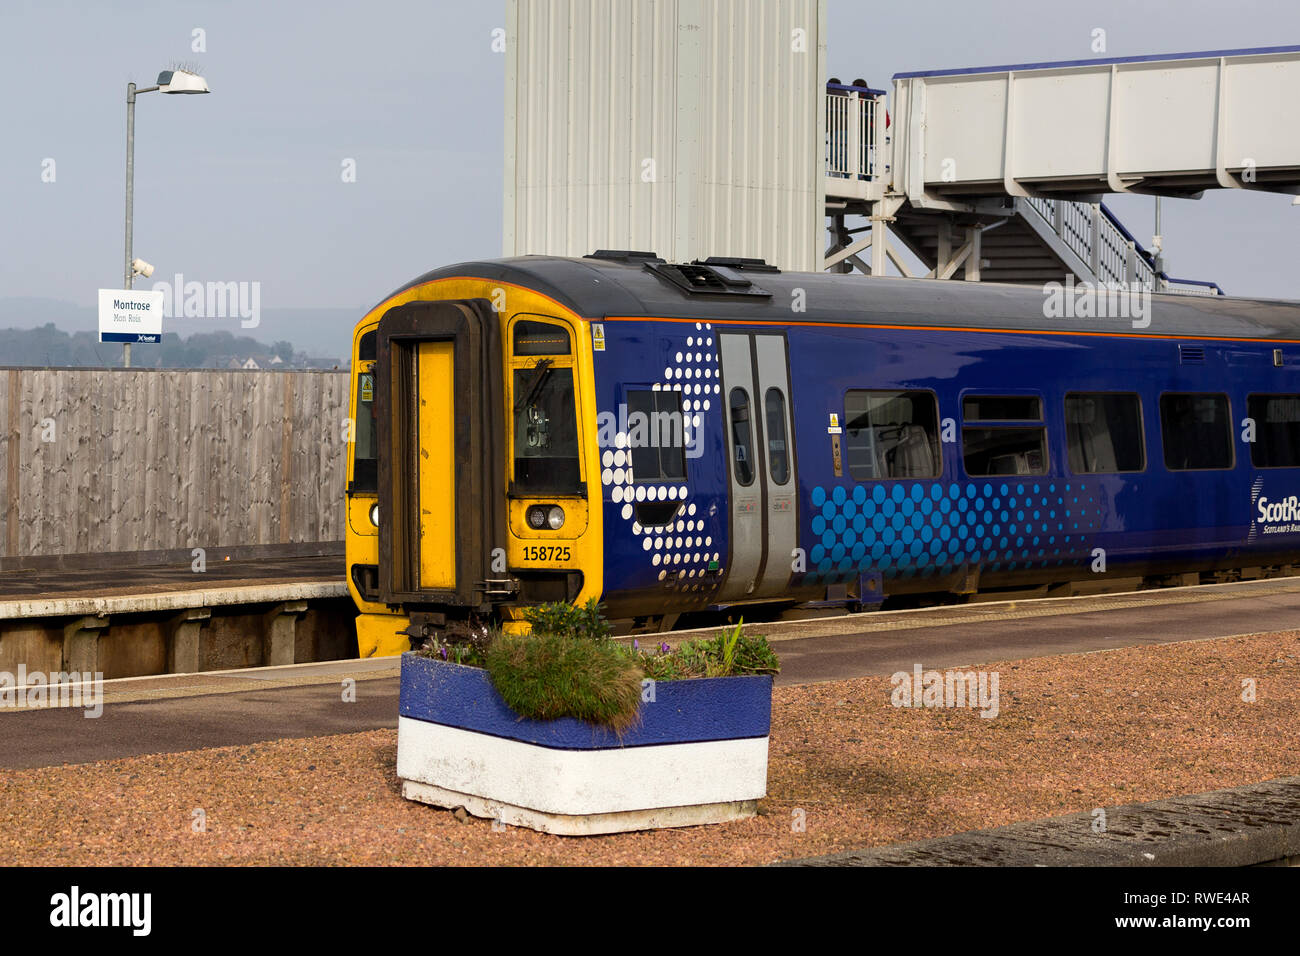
<point>169,81</point>
<point>1158,260</point>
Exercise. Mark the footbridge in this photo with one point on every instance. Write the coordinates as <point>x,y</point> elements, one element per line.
<point>998,173</point>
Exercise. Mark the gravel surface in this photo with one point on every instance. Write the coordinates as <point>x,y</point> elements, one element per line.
<point>1074,732</point>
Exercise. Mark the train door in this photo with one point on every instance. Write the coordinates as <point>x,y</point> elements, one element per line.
<point>440,430</point>
<point>435,370</point>
<point>761,463</point>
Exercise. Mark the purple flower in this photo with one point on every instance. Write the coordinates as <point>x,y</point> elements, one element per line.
<point>443,652</point>
<point>663,648</point>
<point>636,645</point>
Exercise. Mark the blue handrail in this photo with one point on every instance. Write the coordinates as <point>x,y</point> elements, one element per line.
<point>855,89</point>
<point>1150,259</point>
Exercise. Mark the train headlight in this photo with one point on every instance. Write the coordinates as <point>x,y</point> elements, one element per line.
<point>545,516</point>
<point>374,515</point>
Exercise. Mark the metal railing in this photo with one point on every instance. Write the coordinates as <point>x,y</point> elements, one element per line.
<point>1112,254</point>
<point>851,131</point>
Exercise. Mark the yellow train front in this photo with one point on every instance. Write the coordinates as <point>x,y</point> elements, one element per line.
<point>473,447</point>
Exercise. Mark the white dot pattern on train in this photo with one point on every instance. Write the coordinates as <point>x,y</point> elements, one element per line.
<point>683,547</point>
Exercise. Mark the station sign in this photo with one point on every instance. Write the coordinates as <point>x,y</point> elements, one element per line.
<point>126,315</point>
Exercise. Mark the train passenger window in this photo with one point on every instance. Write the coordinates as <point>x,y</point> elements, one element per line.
<point>655,435</point>
<point>891,434</point>
<point>1197,431</point>
<point>1001,408</point>
<point>778,453</point>
<point>1003,450</point>
<point>742,437</point>
<point>540,338</point>
<point>1277,430</point>
<point>546,430</point>
<point>1103,431</point>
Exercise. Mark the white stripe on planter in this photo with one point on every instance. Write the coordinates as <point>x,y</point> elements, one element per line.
<point>508,773</point>
<point>591,824</point>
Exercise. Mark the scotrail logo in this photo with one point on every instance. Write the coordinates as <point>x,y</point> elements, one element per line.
<point>1277,517</point>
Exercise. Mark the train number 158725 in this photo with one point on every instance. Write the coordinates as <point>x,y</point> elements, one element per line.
<point>546,552</point>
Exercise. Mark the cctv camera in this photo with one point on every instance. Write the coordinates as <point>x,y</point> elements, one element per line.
<point>141,268</point>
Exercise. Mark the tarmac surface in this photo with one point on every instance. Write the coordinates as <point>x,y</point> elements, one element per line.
<point>190,712</point>
<point>176,713</point>
<point>883,643</point>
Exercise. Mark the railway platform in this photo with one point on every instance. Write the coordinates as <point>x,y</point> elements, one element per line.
<point>177,576</point>
<point>132,621</point>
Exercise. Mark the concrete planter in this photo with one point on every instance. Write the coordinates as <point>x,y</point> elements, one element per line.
<point>698,756</point>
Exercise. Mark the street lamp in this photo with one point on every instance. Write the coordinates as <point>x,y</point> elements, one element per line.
<point>169,81</point>
<point>1158,260</point>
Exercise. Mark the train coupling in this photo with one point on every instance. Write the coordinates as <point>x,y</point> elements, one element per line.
<point>430,625</point>
<point>423,626</point>
<point>500,588</point>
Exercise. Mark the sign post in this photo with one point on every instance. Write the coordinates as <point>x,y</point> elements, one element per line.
<point>130,317</point>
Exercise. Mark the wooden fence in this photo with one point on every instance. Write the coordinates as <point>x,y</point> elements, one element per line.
<point>99,465</point>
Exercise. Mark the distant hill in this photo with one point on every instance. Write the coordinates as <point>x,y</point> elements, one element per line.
<point>320,333</point>
<point>48,346</point>
<point>54,332</point>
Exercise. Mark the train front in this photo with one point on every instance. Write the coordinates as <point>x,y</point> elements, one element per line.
<point>471,446</point>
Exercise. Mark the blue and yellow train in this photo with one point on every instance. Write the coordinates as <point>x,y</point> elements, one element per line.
<point>675,438</point>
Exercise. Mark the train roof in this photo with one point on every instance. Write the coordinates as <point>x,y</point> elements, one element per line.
<point>715,290</point>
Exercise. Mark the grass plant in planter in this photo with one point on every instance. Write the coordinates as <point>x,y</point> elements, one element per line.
<point>567,731</point>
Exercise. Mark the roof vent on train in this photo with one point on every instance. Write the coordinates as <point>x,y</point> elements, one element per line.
<point>630,256</point>
<point>709,278</point>
<point>738,262</point>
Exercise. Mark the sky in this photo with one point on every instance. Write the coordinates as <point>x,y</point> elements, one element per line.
<point>247,184</point>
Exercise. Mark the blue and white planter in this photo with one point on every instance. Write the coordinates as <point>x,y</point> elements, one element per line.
<point>698,756</point>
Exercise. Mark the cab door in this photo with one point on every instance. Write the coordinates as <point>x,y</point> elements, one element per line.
<point>439,428</point>
<point>435,375</point>
<point>761,465</point>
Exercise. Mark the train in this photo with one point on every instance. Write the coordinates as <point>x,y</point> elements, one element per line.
<point>721,437</point>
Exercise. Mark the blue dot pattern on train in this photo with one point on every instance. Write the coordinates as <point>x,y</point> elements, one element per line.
<point>920,529</point>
